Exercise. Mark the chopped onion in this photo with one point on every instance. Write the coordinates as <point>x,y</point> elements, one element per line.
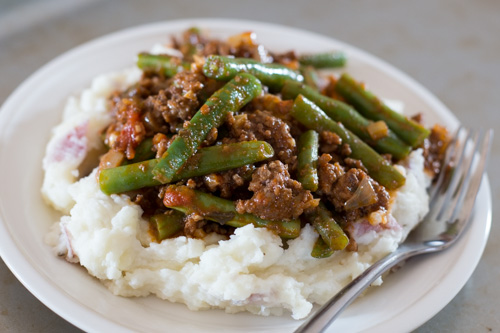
<point>111,159</point>
<point>377,130</point>
<point>364,195</point>
<point>245,38</point>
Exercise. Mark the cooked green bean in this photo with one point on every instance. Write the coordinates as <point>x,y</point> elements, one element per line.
<point>311,116</point>
<point>207,160</point>
<point>320,249</point>
<point>222,211</point>
<point>160,63</point>
<point>324,60</point>
<point>307,160</point>
<point>167,224</point>
<point>233,96</point>
<point>372,107</point>
<point>189,48</point>
<point>327,227</point>
<point>271,75</point>
<point>144,151</point>
<point>310,76</point>
<point>350,118</point>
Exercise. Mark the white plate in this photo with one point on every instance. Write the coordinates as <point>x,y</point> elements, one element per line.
<point>406,300</point>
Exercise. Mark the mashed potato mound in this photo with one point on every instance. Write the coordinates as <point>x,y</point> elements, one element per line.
<point>249,272</point>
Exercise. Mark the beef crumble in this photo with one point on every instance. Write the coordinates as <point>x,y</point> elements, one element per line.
<point>276,196</point>
<point>262,125</point>
<point>193,44</point>
<point>355,194</point>
<point>230,184</point>
<point>330,142</point>
<point>328,173</point>
<point>179,102</point>
<point>351,191</point>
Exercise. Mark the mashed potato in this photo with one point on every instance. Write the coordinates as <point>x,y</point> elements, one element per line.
<point>249,272</point>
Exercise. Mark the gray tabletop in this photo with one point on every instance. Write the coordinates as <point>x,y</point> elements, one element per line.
<point>451,47</point>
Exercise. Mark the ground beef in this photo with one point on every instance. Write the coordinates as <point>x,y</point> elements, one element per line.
<point>276,196</point>
<point>231,184</point>
<point>191,224</point>
<point>134,122</point>
<point>215,47</point>
<point>328,173</point>
<point>197,227</point>
<point>209,227</point>
<point>332,145</point>
<point>330,142</point>
<point>149,199</point>
<point>226,184</point>
<point>262,125</point>
<point>345,188</point>
<point>179,102</point>
<point>289,59</point>
<point>150,84</point>
<point>278,108</point>
<point>273,104</point>
<point>354,163</point>
<point>338,183</point>
<point>242,45</point>
<point>154,105</point>
<point>345,150</point>
<point>211,137</point>
<point>161,142</point>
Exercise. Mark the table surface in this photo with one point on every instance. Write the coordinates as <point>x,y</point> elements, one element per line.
<point>449,46</point>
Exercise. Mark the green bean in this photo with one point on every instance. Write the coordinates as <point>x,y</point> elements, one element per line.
<point>160,63</point>
<point>311,116</point>
<point>167,224</point>
<point>191,42</point>
<point>310,76</point>
<point>307,160</point>
<point>144,151</point>
<point>271,75</point>
<point>320,249</point>
<point>207,160</point>
<point>327,227</point>
<point>350,118</point>
<point>231,97</point>
<point>372,107</point>
<point>324,60</point>
<point>222,211</point>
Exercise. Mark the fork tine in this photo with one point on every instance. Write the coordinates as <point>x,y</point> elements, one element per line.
<point>447,179</point>
<point>461,174</point>
<point>450,153</point>
<point>469,195</point>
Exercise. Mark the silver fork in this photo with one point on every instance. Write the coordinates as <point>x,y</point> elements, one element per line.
<point>452,198</point>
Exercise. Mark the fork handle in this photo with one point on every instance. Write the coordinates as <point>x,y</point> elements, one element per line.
<point>320,320</point>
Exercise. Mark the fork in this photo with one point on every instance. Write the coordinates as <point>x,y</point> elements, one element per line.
<point>451,198</point>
